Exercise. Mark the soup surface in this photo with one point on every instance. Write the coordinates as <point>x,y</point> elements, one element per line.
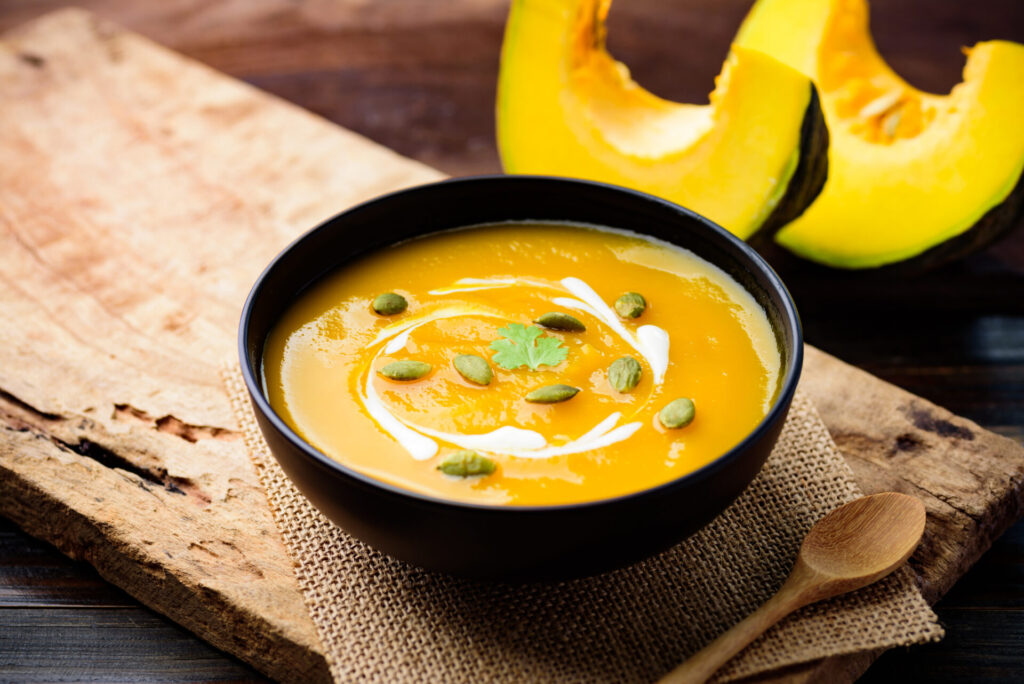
<point>479,291</point>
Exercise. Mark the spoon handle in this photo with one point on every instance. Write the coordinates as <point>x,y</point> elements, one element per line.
<point>705,662</point>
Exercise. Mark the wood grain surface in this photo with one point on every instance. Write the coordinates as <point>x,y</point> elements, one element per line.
<point>141,195</point>
<point>382,68</point>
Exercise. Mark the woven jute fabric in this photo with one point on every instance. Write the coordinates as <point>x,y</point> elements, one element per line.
<point>380,619</point>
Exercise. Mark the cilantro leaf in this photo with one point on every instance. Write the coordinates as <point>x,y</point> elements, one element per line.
<point>524,346</point>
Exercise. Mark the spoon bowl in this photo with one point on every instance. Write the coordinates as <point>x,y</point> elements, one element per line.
<point>866,539</point>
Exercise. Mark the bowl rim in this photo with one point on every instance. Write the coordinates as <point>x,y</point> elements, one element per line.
<point>791,319</point>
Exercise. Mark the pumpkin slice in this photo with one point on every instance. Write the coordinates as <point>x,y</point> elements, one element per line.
<point>911,174</point>
<point>753,157</point>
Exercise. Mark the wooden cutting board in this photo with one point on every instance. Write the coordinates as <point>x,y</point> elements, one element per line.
<point>140,195</point>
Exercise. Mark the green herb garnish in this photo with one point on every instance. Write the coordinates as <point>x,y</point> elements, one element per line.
<point>527,346</point>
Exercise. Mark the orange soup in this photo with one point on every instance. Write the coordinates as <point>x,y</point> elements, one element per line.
<point>524,364</point>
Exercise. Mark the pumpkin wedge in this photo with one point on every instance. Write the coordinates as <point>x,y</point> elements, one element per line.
<point>752,158</point>
<point>912,176</point>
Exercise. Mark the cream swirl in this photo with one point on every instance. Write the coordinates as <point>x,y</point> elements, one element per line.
<point>421,442</point>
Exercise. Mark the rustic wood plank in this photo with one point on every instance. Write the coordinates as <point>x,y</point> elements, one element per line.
<point>984,634</point>
<point>986,648</point>
<point>33,575</point>
<point>970,480</point>
<point>997,581</point>
<point>106,645</point>
<point>81,641</point>
<point>120,161</point>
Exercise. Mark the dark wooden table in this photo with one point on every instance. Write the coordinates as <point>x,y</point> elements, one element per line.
<point>419,76</point>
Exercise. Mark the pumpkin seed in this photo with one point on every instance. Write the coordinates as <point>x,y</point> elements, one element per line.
<point>556,320</point>
<point>474,368</point>
<point>630,305</point>
<point>624,374</point>
<point>389,304</point>
<point>405,370</point>
<point>552,394</point>
<point>891,123</point>
<point>677,414</point>
<point>466,463</point>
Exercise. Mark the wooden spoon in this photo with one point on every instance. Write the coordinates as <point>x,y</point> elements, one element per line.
<point>849,548</point>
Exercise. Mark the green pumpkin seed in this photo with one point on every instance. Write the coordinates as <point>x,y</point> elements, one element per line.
<point>389,304</point>
<point>474,368</point>
<point>677,414</point>
<point>630,305</point>
<point>556,320</point>
<point>552,394</point>
<point>466,463</point>
<point>405,370</point>
<point>624,374</point>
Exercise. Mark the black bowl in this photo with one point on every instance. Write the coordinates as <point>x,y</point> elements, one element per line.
<point>512,542</point>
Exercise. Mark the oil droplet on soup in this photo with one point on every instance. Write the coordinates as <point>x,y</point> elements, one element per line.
<point>478,291</point>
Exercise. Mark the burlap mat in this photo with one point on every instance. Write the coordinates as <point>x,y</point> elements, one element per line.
<point>383,620</point>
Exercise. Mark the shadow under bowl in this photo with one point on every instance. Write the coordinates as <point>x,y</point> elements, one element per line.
<point>512,543</point>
